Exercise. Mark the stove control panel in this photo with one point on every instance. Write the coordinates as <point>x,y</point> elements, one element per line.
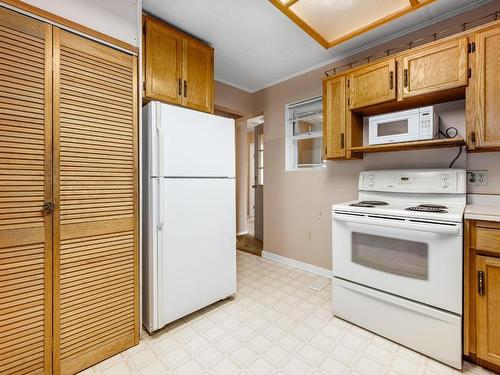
<point>446,181</point>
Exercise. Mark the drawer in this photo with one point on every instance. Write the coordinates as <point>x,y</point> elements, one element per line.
<point>488,237</point>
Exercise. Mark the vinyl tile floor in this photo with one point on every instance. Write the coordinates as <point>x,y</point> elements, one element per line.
<point>276,324</point>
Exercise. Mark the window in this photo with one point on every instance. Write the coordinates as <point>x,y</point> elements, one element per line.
<point>304,134</point>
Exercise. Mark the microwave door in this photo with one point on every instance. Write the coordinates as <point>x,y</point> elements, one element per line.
<point>394,129</point>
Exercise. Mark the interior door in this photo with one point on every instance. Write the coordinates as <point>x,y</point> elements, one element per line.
<point>163,62</point>
<point>25,185</point>
<point>96,311</point>
<point>198,84</point>
<point>373,84</point>
<point>251,180</point>
<point>488,308</point>
<point>435,68</point>
<point>486,95</point>
<point>259,182</point>
<point>334,117</point>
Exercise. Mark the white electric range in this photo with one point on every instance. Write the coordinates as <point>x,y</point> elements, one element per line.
<point>397,258</point>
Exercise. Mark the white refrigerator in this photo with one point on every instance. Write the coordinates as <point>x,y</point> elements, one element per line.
<point>189,212</point>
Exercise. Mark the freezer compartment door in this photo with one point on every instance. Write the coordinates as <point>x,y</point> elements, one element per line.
<point>197,249</point>
<point>186,143</point>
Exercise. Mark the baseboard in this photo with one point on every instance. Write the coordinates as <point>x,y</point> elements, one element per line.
<point>242,233</point>
<point>298,264</point>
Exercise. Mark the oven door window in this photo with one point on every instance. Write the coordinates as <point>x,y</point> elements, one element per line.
<point>398,127</point>
<point>396,256</point>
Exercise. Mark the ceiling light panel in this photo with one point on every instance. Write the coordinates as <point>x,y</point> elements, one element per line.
<point>334,19</point>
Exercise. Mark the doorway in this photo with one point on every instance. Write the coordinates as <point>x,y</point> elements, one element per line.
<point>251,240</point>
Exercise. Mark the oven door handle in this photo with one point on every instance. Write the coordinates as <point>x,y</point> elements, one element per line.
<point>408,224</point>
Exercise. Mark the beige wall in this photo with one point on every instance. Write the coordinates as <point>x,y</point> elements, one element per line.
<point>233,100</point>
<point>296,202</point>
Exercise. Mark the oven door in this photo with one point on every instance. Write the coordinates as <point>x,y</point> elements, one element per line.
<point>394,128</point>
<point>416,259</point>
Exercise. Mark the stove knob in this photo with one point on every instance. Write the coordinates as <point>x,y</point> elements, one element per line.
<point>444,176</point>
<point>444,185</point>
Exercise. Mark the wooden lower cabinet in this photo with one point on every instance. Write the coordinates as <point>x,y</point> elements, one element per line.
<point>68,199</point>
<point>482,294</point>
<point>488,309</point>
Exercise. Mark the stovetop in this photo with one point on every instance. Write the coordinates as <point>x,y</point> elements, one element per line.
<point>415,209</point>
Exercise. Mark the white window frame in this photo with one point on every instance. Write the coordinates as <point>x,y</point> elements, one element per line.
<point>290,145</point>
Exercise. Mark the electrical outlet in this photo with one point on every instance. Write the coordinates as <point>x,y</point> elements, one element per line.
<point>309,235</point>
<point>478,178</point>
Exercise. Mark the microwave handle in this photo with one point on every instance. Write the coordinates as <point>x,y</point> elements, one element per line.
<point>403,224</point>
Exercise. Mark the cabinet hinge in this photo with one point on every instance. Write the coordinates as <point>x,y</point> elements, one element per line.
<point>326,151</point>
<point>144,85</point>
<point>342,141</point>
<point>469,73</point>
<point>471,47</point>
<point>348,83</point>
<point>348,101</point>
<point>144,28</point>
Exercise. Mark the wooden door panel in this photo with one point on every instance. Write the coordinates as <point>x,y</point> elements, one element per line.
<point>435,68</point>
<point>95,141</point>
<point>198,76</point>
<point>373,84</point>
<point>487,89</point>
<point>25,184</point>
<point>163,62</point>
<point>334,116</point>
<point>488,310</point>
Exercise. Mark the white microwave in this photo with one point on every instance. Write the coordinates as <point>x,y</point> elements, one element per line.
<point>411,125</point>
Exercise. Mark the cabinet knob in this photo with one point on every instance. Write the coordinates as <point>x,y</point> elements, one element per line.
<point>48,208</point>
<point>185,88</point>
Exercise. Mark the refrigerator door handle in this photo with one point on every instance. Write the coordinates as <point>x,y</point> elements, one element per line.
<point>160,142</point>
<point>161,204</point>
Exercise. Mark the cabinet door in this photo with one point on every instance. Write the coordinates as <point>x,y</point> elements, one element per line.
<point>486,97</point>
<point>435,68</point>
<point>198,84</point>
<point>334,115</point>
<point>488,309</point>
<point>25,184</point>
<point>373,84</point>
<point>163,62</point>
<point>96,311</point>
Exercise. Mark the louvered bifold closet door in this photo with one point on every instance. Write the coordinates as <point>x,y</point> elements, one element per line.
<point>25,184</point>
<point>95,190</point>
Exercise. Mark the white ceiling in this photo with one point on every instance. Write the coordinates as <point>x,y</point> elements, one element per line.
<point>257,46</point>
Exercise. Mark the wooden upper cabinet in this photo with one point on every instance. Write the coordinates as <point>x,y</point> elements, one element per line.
<point>163,62</point>
<point>372,84</point>
<point>198,84</point>
<point>334,116</point>
<point>178,69</point>
<point>488,309</point>
<point>486,92</point>
<point>434,68</point>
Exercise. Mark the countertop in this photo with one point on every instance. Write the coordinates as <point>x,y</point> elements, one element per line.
<point>483,207</point>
